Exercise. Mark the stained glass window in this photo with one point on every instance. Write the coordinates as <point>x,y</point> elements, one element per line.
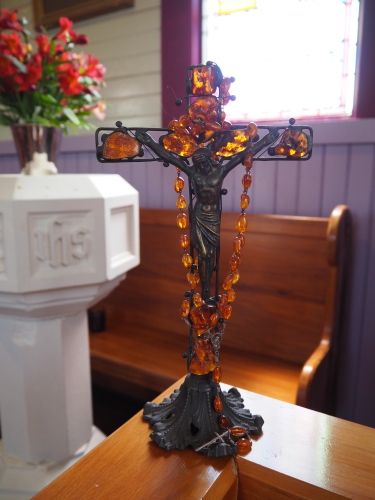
<point>290,57</point>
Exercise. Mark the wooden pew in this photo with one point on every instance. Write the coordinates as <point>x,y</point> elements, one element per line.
<point>283,338</point>
<point>301,454</point>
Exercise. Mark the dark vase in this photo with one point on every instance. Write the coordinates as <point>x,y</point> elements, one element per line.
<point>37,147</point>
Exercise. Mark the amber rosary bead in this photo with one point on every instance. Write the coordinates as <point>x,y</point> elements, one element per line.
<point>218,404</point>
<point>197,299</point>
<point>244,201</point>
<point>224,422</point>
<point>184,240</point>
<point>246,181</point>
<point>227,312</point>
<point>185,309</point>
<point>223,301</point>
<point>248,161</point>
<point>235,276</point>
<point>251,130</point>
<point>238,431</point>
<point>231,295</point>
<point>243,446</point>
<point>181,202</point>
<point>187,260</point>
<point>216,375</point>
<point>214,318</point>
<point>234,261</point>
<point>179,184</point>
<point>182,220</point>
<point>228,282</point>
<point>241,224</point>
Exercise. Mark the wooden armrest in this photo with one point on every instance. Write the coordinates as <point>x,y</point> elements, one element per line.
<point>318,366</point>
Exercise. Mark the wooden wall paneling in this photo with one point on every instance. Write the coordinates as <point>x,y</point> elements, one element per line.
<point>134,64</point>
<point>287,183</point>
<point>264,187</point>
<point>310,184</point>
<point>360,199</point>
<point>169,195</point>
<point>334,180</point>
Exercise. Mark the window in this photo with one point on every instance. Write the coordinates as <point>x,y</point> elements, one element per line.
<point>290,58</point>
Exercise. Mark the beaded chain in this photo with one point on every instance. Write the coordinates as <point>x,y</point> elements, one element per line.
<point>214,330</point>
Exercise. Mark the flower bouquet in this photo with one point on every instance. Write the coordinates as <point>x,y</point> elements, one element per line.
<point>42,81</point>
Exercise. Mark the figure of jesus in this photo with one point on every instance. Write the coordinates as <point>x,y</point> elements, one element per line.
<point>206,176</point>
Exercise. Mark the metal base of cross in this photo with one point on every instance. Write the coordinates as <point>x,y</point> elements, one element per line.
<point>187,417</point>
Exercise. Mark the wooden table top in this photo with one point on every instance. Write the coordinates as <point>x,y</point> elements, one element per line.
<point>301,454</point>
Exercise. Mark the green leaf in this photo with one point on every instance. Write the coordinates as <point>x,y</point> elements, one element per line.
<point>48,99</point>
<point>5,120</point>
<point>16,62</point>
<point>69,113</point>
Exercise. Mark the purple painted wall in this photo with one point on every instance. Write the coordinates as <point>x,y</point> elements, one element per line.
<point>341,170</point>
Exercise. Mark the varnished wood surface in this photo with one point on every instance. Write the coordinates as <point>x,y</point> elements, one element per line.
<point>301,454</point>
<point>128,465</point>
<point>277,319</point>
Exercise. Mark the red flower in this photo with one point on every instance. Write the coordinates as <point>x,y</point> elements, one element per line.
<point>13,43</point>
<point>6,67</point>
<point>44,45</point>
<point>26,81</point>
<point>90,67</point>
<point>79,39</point>
<point>69,81</point>
<point>9,20</point>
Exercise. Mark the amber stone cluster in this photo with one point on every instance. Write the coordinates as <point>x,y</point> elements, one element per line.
<point>293,143</point>
<point>120,145</point>
<point>205,121</point>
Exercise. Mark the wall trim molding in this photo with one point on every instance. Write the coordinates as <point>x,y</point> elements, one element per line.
<point>346,131</point>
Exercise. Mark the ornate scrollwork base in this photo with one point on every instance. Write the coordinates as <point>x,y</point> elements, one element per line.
<point>187,417</point>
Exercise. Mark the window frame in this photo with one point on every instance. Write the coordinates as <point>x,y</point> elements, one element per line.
<point>181,29</point>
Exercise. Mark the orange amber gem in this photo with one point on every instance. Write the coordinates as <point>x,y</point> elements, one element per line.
<point>182,221</point>
<point>203,107</point>
<point>242,238</point>
<point>218,404</point>
<point>173,125</point>
<point>237,244</point>
<point>181,202</point>
<point>184,240</point>
<point>243,446</point>
<point>203,81</point>
<point>228,282</point>
<point>187,260</point>
<point>232,142</point>
<point>246,181</point>
<point>223,301</point>
<point>237,431</point>
<point>234,261</point>
<point>120,145</point>
<point>184,120</point>
<point>293,143</point>
<point>197,128</point>
<point>216,375</point>
<point>241,223</point>
<point>252,130</point>
<point>179,184</point>
<point>185,309</point>
<point>214,318</point>
<point>180,142</point>
<point>203,359</point>
<point>193,279</point>
<point>224,422</point>
<point>227,312</point>
<point>245,201</point>
<point>248,162</point>
<point>236,276</point>
<point>231,295</point>
<point>197,299</point>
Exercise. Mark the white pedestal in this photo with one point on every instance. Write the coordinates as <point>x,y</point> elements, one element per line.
<point>65,242</point>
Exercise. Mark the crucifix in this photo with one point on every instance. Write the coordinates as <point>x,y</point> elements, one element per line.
<point>205,147</point>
